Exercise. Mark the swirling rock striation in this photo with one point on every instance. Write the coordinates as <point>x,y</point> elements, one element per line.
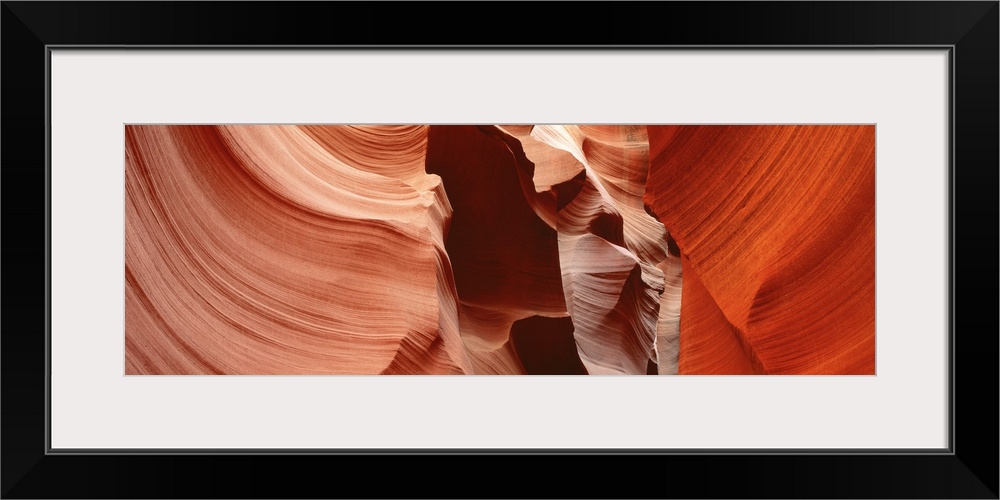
<point>509,249</point>
<point>261,250</point>
<point>777,225</point>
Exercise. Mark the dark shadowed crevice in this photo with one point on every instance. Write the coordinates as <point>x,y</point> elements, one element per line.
<point>546,346</point>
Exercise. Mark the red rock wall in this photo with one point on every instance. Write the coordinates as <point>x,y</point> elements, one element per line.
<point>777,223</point>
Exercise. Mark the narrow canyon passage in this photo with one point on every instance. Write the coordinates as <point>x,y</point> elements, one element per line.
<point>499,249</point>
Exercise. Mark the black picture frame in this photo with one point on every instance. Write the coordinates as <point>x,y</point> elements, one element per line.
<point>968,29</point>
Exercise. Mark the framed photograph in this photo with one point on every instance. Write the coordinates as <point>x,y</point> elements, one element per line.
<point>276,236</point>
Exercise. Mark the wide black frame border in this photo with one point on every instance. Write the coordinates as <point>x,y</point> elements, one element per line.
<point>970,29</point>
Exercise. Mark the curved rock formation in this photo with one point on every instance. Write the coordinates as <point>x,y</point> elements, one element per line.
<point>777,223</point>
<point>609,247</point>
<point>252,249</point>
<point>509,249</point>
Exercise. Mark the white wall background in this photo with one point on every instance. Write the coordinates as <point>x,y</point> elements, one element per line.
<point>94,93</point>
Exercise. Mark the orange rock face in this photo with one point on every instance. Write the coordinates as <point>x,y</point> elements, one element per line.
<point>511,249</point>
<point>777,224</point>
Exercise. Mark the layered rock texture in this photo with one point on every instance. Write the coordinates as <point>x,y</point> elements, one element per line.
<point>500,249</point>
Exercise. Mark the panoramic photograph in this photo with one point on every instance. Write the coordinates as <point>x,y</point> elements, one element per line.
<point>587,249</point>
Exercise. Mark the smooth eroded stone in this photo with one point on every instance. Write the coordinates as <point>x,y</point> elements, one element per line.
<point>778,223</point>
